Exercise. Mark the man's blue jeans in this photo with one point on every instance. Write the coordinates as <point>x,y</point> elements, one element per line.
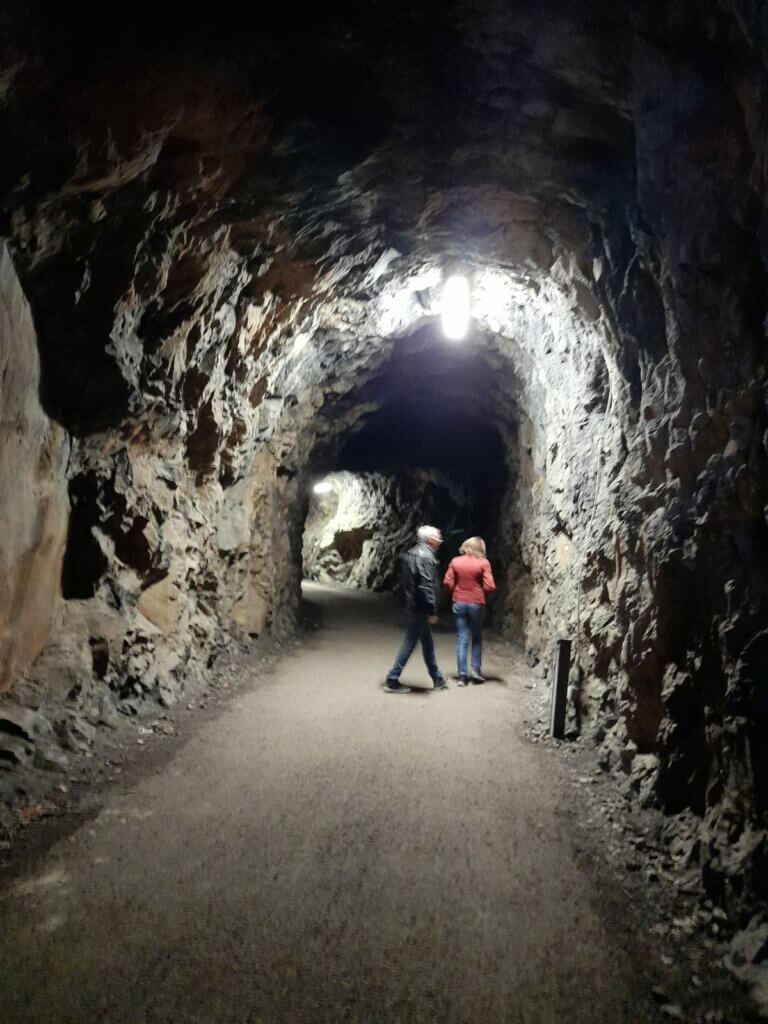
<point>416,628</point>
<point>469,619</point>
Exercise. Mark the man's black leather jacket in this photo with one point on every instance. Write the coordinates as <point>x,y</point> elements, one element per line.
<point>419,579</point>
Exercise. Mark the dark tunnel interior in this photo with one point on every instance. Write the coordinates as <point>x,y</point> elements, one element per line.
<point>436,410</point>
<point>228,235</point>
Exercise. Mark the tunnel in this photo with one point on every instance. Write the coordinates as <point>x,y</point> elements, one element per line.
<point>226,242</point>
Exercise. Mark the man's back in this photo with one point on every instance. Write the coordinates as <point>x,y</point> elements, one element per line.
<point>420,578</point>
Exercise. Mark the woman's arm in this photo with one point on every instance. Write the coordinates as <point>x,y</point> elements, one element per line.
<point>449,580</point>
<point>488,582</point>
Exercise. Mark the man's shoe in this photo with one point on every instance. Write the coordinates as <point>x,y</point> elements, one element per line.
<point>395,687</point>
<point>440,684</point>
<point>462,681</point>
<point>476,677</point>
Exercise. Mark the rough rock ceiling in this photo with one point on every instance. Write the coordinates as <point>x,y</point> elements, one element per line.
<point>154,164</point>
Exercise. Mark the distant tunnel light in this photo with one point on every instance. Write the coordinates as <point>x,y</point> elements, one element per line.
<point>323,487</point>
<point>455,311</point>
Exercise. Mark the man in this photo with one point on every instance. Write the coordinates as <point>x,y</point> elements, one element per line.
<point>420,586</point>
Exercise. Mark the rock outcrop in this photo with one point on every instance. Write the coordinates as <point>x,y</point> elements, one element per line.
<point>357,532</point>
<point>33,502</point>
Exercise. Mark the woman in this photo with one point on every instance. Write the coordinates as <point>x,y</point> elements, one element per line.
<point>469,579</point>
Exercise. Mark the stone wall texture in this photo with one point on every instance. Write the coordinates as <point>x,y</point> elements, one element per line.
<point>357,533</point>
<point>33,502</point>
<point>233,247</point>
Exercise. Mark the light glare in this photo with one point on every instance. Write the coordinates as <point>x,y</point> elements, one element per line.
<point>492,295</point>
<point>455,313</point>
<point>323,487</point>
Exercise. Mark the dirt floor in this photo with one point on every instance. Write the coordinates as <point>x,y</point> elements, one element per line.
<point>316,850</point>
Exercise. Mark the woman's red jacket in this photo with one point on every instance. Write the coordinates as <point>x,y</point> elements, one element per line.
<point>469,579</point>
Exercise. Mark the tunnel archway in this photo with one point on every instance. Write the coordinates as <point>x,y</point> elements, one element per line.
<point>425,445</point>
<point>514,412</point>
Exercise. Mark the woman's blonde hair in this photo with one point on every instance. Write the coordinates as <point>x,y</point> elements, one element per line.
<point>473,546</point>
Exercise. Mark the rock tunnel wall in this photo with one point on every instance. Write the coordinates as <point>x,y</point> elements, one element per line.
<point>554,406</point>
<point>33,503</point>
<point>675,584</point>
<point>213,281</point>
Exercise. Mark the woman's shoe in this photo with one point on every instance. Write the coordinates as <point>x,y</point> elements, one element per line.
<point>476,677</point>
<point>462,681</point>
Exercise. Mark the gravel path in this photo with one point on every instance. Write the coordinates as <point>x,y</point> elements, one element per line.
<point>321,851</point>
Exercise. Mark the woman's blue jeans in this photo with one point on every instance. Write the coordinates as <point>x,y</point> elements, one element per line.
<point>469,619</point>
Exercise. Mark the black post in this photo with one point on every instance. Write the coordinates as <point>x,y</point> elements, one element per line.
<point>559,694</point>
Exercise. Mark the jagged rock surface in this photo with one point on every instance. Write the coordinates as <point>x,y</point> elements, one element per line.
<point>33,502</point>
<point>224,245</point>
<point>357,532</point>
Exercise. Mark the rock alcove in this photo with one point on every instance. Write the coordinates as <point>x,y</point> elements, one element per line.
<point>224,247</point>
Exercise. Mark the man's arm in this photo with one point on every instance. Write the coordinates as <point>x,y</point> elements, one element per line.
<point>426,584</point>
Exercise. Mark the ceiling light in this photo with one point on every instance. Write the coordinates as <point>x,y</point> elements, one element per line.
<point>323,487</point>
<point>455,311</point>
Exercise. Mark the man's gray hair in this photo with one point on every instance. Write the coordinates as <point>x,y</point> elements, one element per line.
<point>427,533</point>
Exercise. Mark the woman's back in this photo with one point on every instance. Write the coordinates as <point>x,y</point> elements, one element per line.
<point>469,579</point>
